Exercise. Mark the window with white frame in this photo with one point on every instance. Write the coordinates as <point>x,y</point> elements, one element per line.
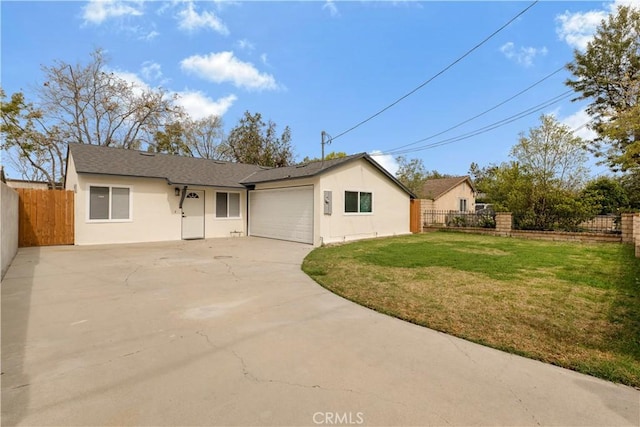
<point>463,205</point>
<point>358,202</point>
<point>107,203</point>
<point>227,205</point>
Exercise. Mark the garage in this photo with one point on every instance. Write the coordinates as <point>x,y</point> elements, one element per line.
<point>283,213</point>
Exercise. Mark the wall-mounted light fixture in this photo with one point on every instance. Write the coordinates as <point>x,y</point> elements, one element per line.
<point>177,191</point>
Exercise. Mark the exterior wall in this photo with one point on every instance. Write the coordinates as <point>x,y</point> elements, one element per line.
<point>8,226</point>
<point>18,183</point>
<point>450,200</point>
<point>156,215</point>
<point>630,227</point>
<point>390,214</point>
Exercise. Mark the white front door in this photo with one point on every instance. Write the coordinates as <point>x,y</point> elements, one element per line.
<point>193,215</point>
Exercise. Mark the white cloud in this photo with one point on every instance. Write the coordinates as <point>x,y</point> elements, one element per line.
<point>151,70</point>
<point>198,105</point>
<point>264,58</point>
<point>138,85</point>
<point>190,20</point>
<point>331,7</point>
<point>523,56</point>
<point>577,28</point>
<point>98,11</point>
<point>245,44</point>
<point>225,67</point>
<point>149,36</point>
<point>195,103</point>
<point>578,121</point>
<point>387,161</point>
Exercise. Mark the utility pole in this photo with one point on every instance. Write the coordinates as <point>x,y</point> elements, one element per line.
<point>323,134</point>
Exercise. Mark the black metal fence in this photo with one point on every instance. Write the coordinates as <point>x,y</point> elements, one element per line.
<point>603,224</point>
<point>442,218</point>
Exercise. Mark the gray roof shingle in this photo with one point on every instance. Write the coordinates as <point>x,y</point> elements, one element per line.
<point>306,170</point>
<point>195,171</point>
<point>175,169</point>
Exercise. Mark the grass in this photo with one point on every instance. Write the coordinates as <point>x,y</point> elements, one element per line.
<point>574,305</point>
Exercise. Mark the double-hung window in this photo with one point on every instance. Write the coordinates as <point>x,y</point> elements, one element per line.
<point>108,203</point>
<point>227,205</point>
<point>358,202</point>
<point>463,205</point>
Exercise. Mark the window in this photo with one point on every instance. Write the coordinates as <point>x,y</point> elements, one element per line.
<point>463,205</point>
<point>358,202</point>
<point>109,203</point>
<point>227,205</point>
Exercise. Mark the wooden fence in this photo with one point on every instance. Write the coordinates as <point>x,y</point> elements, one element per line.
<point>45,217</point>
<point>415,220</point>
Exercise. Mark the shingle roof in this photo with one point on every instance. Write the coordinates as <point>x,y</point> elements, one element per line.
<point>195,171</point>
<point>306,170</point>
<point>302,170</point>
<point>434,188</point>
<point>175,169</point>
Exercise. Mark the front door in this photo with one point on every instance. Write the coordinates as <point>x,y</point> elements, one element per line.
<point>193,215</point>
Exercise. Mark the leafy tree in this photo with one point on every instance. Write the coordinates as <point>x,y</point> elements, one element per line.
<point>330,156</point>
<point>540,185</point>
<point>37,147</point>
<point>608,194</point>
<point>255,142</point>
<point>513,188</point>
<point>631,184</point>
<point>85,104</point>
<point>412,174</point>
<point>481,177</point>
<point>552,155</point>
<point>608,74</point>
<point>171,140</point>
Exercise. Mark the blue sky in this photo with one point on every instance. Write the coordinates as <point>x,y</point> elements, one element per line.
<point>327,65</point>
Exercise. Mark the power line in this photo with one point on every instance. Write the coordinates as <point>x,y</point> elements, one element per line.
<point>484,112</point>
<point>486,128</point>
<point>437,74</point>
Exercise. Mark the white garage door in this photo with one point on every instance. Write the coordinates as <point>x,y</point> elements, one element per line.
<point>285,213</point>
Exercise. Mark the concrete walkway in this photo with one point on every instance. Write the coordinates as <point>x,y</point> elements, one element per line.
<point>231,332</point>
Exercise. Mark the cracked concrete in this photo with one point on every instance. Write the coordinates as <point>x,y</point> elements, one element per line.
<point>168,334</point>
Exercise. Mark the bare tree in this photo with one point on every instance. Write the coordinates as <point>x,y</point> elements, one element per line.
<point>205,137</point>
<point>85,104</point>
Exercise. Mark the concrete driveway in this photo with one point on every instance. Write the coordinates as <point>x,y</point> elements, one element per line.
<point>231,332</point>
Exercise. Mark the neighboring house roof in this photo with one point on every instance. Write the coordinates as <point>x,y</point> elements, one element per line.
<point>435,188</point>
<point>180,170</point>
<point>175,169</point>
<point>307,170</point>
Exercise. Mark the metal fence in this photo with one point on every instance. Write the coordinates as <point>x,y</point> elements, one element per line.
<point>440,218</point>
<point>603,224</point>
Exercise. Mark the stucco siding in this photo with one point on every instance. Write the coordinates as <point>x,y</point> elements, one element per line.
<point>155,212</point>
<point>8,226</point>
<point>390,213</point>
<point>450,201</point>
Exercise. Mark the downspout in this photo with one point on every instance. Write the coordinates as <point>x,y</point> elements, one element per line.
<point>182,196</point>
<point>249,188</point>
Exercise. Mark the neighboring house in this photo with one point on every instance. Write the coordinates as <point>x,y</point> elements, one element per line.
<point>126,196</point>
<point>22,183</point>
<point>449,194</point>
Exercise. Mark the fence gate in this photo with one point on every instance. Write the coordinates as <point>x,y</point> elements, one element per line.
<point>415,225</point>
<point>45,217</point>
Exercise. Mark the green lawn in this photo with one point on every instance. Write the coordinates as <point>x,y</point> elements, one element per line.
<point>571,304</point>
